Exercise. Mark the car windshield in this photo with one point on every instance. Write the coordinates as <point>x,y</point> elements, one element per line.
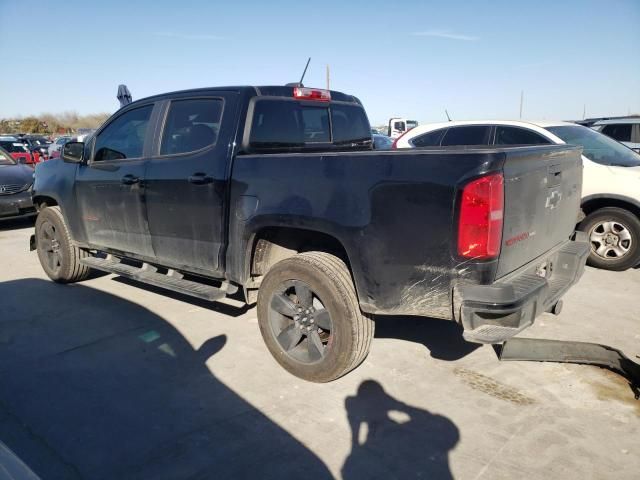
<point>597,147</point>
<point>5,158</point>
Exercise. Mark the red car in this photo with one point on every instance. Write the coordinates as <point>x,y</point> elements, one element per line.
<point>17,150</point>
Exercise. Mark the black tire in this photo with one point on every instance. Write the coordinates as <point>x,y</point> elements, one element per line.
<point>592,225</point>
<point>347,341</point>
<point>58,257</point>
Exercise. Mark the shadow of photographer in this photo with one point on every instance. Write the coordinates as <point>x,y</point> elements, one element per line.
<point>391,439</point>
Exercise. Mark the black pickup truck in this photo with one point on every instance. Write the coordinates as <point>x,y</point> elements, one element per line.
<point>276,191</point>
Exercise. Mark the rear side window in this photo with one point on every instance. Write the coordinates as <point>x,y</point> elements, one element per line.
<point>518,136</point>
<point>431,139</point>
<point>191,125</point>
<point>620,132</point>
<point>471,135</point>
<point>282,124</point>
<point>124,137</point>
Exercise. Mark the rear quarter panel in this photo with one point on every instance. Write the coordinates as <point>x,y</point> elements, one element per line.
<point>392,211</point>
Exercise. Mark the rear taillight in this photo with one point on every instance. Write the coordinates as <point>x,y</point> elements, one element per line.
<point>481,214</point>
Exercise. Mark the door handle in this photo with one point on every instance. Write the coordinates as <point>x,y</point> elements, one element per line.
<point>130,179</point>
<point>200,179</point>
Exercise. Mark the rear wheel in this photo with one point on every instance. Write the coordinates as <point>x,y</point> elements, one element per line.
<point>310,318</point>
<point>59,258</point>
<point>614,234</point>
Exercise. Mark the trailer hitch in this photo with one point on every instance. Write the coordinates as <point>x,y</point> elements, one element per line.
<point>541,350</point>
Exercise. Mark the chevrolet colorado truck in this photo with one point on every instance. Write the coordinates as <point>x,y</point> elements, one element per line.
<point>275,193</point>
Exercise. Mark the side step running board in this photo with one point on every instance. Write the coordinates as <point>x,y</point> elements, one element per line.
<point>149,274</point>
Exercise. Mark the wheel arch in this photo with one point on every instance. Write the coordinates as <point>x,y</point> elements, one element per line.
<point>595,202</point>
<point>270,245</point>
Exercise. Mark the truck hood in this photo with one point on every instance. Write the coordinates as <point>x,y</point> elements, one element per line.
<point>16,174</point>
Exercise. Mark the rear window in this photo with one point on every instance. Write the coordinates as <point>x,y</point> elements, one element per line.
<point>278,124</point>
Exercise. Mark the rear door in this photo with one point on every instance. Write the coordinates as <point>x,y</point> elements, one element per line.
<point>110,186</point>
<point>542,189</point>
<point>186,181</point>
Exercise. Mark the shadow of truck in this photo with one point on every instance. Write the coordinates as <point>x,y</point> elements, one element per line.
<point>94,386</point>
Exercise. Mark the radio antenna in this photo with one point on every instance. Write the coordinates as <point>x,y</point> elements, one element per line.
<point>305,71</point>
<point>448,117</point>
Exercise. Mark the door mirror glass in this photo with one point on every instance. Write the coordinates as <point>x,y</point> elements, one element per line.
<point>73,152</point>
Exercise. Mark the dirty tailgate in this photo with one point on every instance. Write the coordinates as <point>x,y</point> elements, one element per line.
<point>542,188</point>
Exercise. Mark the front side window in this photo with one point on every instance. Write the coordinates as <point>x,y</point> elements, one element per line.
<point>191,125</point>
<point>620,131</point>
<point>518,136</point>
<point>431,139</point>
<point>471,135</point>
<point>124,137</point>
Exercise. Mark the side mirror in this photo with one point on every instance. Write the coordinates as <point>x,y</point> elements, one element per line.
<point>73,152</point>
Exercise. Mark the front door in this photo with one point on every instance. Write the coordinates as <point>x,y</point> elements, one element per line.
<point>110,186</point>
<point>186,181</point>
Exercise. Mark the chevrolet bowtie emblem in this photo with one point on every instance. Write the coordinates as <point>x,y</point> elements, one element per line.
<point>553,200</point>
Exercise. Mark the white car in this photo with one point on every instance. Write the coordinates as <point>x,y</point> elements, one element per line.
<point>625,130</point>
<point>611,178</point>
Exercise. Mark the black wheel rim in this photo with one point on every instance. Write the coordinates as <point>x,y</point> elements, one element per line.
<point>49,245</point>
<point>300,323</point>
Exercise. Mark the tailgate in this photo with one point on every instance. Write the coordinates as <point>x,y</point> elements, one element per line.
<point>542,190</point>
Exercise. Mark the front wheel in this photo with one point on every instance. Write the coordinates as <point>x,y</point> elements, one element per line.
<point>310,318</point>
<point>59,258</point>
<point>614,234</point>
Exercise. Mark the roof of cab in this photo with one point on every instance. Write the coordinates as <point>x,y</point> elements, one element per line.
<point>267,90</point>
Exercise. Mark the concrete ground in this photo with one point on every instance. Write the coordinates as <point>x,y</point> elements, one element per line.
<point>104,379</point>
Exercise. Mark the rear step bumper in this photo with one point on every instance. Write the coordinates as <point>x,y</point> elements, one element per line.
<point>496,312</point>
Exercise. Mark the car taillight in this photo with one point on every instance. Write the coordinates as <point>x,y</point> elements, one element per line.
<point>317,94</point>
<point>481,217</point>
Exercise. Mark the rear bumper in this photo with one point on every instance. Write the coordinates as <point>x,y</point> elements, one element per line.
<point>16,205</point>
<point>496,312</point>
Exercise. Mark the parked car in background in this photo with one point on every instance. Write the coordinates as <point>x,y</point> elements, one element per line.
<point>624,130</point>
<point>16,181</point>
<point>611,186</point>
<point>37,145</point>
<point>54,148</point>
<point>17,150</point>
<point>381,142</point>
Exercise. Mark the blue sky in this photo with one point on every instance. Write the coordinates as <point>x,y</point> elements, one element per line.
<point>409,58</point>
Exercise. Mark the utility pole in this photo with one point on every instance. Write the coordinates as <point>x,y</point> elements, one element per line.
<point>328,79</point>
<point>521,102</point>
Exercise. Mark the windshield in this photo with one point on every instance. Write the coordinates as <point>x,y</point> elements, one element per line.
<point>5,158</point>
<point>411,124</point>
<point>597,147</point>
